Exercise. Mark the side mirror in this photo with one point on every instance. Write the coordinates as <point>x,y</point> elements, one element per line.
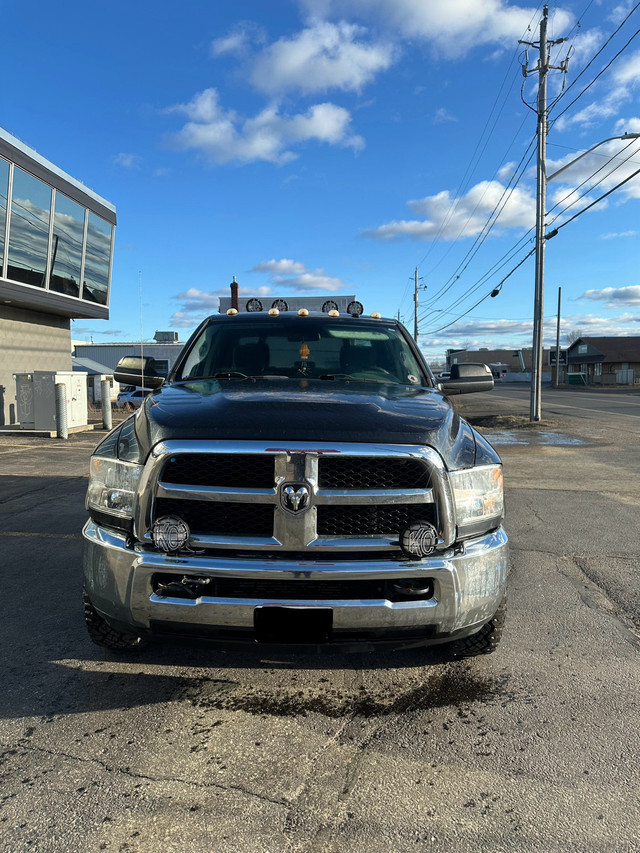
<point>467,378</point>
<point>132,370</point>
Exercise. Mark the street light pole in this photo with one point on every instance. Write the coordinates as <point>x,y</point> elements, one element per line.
<point>589,150</point>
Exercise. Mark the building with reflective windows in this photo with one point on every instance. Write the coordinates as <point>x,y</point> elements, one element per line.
<point>56,251</point>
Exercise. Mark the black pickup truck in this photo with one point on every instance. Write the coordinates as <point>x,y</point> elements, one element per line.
<point>300,480</point>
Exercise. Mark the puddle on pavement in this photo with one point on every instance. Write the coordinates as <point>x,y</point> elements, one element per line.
<point>531,437</point>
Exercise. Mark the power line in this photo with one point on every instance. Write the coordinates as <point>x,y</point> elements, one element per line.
<point>593,203</point>
<point>471,166</point>
<point>592,60</point>
<point>486,296</point>
<point>488,226</point>
<point>588,181</point>
<point>498,265</point>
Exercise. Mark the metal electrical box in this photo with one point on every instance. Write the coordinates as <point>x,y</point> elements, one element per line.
<point>36,398</point>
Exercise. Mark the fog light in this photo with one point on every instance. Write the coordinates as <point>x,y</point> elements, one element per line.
<point>419,539</point>
<point>170,533</point>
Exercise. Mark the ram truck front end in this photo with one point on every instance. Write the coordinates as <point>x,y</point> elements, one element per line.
<point>326,495</point>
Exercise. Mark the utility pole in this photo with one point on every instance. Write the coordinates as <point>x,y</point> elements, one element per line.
<point>542,69</point>
<point>416,288</point>
<point>557,382</point>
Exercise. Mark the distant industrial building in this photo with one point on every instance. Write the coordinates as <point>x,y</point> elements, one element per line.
<point>56,250</point>
<point>165,349</point>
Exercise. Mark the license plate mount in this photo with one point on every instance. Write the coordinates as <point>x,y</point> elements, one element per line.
<point>284,625</point>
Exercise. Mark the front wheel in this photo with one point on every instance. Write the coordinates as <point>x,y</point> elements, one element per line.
<point>102,634</point>
<point>485,641</point>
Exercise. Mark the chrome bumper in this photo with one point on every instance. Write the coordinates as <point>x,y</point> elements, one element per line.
<point>469,585</point>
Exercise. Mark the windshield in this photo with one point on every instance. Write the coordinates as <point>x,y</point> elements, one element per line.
<point>294,347</point>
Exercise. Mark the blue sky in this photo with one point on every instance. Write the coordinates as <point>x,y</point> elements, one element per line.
<point>333,146</point>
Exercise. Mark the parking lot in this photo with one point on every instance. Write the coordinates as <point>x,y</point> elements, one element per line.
<point>534,748</point>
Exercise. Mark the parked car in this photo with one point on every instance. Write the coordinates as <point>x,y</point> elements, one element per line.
<point>442,377</point>
<point>132,398</point>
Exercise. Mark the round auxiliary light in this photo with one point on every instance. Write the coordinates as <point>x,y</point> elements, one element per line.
<point>355,308</point>
<point>376,316</point>
<point>303,312</point>
<point>232,312</point>
<point>254,305</point>
<point>170,533</point>
<point>329,305</point>
<point>280,304</point>
<point>334,312</point>
<point>419,539</point>
<point>273,312</point>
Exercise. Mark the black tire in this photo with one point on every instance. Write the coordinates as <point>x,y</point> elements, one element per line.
<point>102,634</point>
<point>485,641</point>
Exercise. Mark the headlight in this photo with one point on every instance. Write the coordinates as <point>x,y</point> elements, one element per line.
<point>112,486</point>
<point>479,499</point>
<point>113,477</point>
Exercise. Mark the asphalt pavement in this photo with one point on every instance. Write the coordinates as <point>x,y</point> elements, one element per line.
<point>534,748</point>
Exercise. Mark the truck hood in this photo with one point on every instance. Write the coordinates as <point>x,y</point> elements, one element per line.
<point>307,410</point>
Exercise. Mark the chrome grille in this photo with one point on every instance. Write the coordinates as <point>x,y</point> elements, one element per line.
<point>232,495</point>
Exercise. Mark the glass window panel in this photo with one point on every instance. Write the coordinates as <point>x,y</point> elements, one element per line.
<point>4,183</point>
<point>96,265</point>
<point>29,229</point>
<point>66,246</point>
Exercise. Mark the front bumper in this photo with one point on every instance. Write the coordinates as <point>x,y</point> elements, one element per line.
<point>469,584</point>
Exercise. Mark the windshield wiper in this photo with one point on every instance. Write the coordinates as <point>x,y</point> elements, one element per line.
<point>236,374</point>
<point>230,374</point>
<point>351,378</point>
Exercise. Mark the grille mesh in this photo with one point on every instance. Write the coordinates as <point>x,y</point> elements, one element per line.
<point>223,519</point>
<point>227,470</point>
<point>344,472</point>
<point>371,520</point>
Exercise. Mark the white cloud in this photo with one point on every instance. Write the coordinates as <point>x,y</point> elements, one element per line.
<point>197,304</point>
<point>323,56</point>
<point>223,136</point>
<point>87,332</point>
<point>238,41</point>
<point>449,219</point>
<point>127,161</point>
<point>296,276</point>
<point>613,235</point>
<point>282,267</point>
<point>452,28</point>
<point>311,281</point>
<point>442,116</point>
<point>615,297</point>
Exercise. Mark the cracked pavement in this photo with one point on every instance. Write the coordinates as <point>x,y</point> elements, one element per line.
<point>534,748</point>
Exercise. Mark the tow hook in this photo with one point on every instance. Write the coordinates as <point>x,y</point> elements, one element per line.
<point>410,589</point>
<point>188,587</point>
